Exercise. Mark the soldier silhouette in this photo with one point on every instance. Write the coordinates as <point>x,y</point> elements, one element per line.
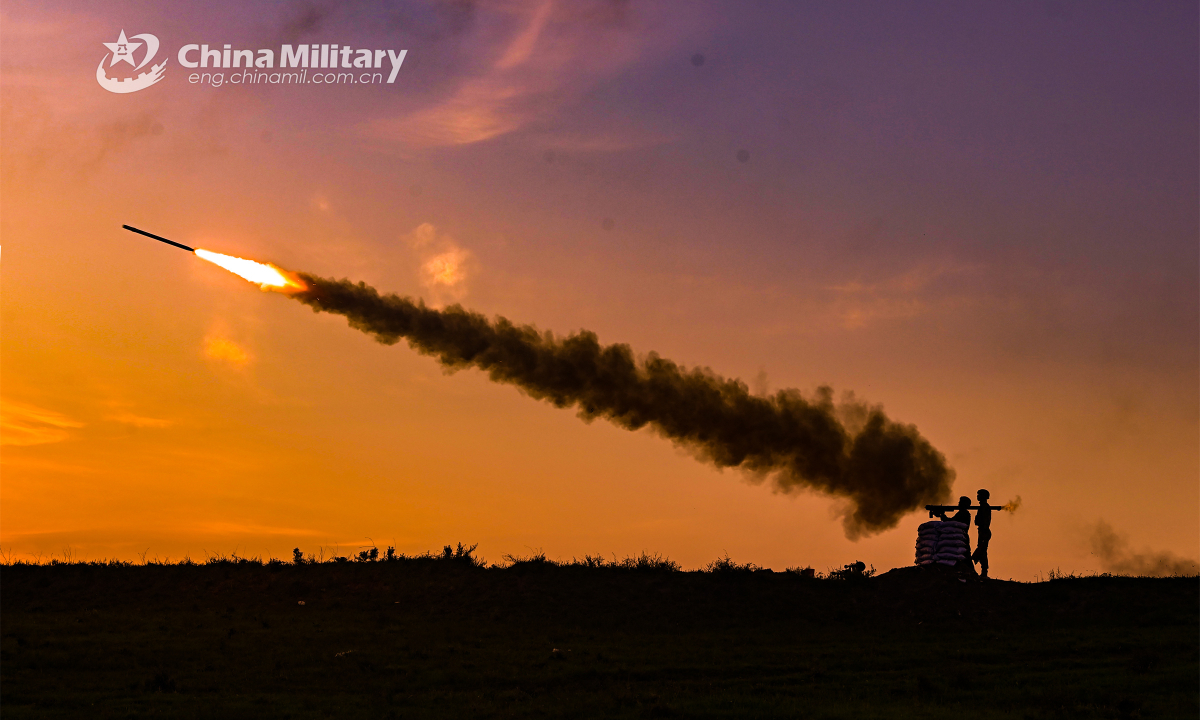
<point>962,515</point>
<point>983,521</point>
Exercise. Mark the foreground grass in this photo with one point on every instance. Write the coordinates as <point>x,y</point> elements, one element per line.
<point>436,637</point>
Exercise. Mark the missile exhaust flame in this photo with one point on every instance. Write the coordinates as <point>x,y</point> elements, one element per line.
<point>268,277</point>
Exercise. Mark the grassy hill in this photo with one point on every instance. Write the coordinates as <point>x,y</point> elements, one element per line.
<point>444,637</point>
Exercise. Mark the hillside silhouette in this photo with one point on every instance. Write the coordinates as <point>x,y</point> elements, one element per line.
<point>444,636</point>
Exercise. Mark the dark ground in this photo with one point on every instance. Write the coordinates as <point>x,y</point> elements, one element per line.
<point>443,638</point>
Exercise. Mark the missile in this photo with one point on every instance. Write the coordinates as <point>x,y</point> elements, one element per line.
<point>263,274</point>
<point>159,238</point>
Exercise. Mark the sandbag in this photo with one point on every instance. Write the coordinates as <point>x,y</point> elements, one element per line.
<point>943,542</point>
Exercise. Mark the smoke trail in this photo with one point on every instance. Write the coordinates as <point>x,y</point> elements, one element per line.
<point>883,468</point>
<point>1116,557</point>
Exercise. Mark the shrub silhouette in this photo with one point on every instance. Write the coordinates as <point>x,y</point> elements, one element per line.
<point>463,554</point>
<point>646,561</point>
<point>727,565</point>
<point>536,560</point>
<point>588,561</point>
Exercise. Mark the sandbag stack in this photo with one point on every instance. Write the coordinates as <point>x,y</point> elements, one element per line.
<point>942,541</point>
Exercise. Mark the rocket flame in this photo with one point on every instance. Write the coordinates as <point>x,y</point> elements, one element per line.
<point>266,276</point>
<point>1012,505</point>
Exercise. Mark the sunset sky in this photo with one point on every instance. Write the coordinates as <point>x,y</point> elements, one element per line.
<point>982,217</point>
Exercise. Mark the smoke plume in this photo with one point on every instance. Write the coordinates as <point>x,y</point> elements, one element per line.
<point>1117,558</point>
<point>853,451</point>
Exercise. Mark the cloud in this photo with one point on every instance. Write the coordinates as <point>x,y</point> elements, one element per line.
<point>1116,557</point>
<point>224,350</point>
<point>481,110</point>
<point>303,20</point>
<point>445,266</point>
<point>914,280</point>
<point>522,46</point>
<point>24,424</point>
<point>858,313</point>
<point>447,269</point>
<point>118,134</point>
<point>232,528</point>
<point>555,55</point>
<point>139,421</point>
<point>422,236</point>
<point>907,295</point>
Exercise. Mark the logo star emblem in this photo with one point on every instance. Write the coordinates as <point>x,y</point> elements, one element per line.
<point>122,50</point>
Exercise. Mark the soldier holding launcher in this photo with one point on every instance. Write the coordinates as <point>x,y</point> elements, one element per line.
<point>962,516</point>
<point>983,521</point>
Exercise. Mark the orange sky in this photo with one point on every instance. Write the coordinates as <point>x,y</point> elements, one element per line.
<point>1001,250</point>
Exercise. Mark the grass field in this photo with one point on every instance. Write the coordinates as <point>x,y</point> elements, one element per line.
<point>438,637</point>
